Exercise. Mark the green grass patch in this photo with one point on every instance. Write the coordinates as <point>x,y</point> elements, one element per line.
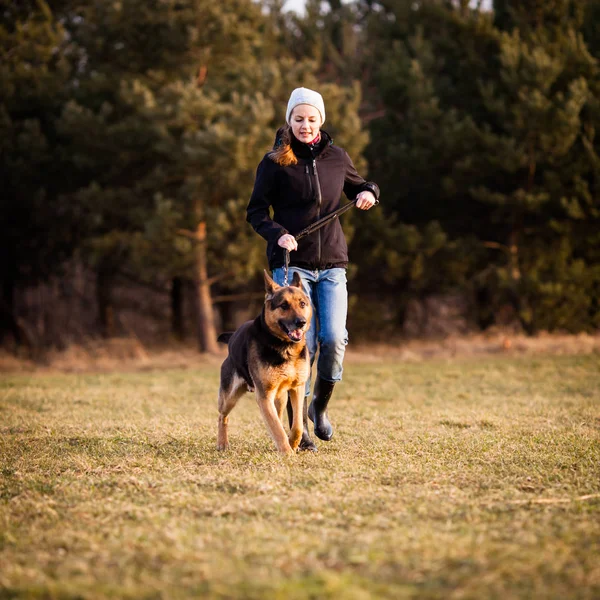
<point>459,479</point>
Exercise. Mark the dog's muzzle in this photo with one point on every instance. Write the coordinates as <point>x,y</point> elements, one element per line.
<point>295,330</point>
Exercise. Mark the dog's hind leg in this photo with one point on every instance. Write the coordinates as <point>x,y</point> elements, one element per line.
<point>296,399</point>
<point>227,401</point>
<point>230,391</point>
<point>266,403</point>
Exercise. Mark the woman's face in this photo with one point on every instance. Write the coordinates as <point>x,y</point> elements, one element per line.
<point>305,121</point>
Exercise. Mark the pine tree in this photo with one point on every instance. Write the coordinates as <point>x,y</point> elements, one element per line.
<point>427,59</point>
<point>489,129</point>
<point>38,226</point>
<point>143,106</point>
<point>177,136</point>
<point>127,52</point>
<point>530,166</point>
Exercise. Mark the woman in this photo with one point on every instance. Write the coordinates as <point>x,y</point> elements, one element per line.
<point>302,179</point>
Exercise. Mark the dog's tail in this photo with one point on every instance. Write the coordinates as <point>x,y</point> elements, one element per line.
<point>225,337</point>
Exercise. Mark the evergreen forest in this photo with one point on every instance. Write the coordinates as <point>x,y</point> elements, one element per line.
<point>130,133</point>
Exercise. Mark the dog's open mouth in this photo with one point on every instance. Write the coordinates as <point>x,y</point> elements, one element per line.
<point>295,335</point>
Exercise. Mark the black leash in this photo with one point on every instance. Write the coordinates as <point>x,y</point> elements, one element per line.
<point>311,229</point>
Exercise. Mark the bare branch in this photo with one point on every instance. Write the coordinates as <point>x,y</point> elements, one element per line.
<point>219,277</point>
<point>497,246</point>
<point>192,235</point>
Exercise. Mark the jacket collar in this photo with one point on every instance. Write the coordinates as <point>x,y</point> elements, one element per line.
<point>307,151</point>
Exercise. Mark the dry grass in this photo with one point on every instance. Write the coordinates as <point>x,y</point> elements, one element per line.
<point>129,353</point>
<point>476,477</point>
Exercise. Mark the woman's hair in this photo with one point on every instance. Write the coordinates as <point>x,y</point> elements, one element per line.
<point>282,152</point>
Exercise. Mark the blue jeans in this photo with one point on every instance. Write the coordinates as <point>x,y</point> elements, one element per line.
<point>329,297</point>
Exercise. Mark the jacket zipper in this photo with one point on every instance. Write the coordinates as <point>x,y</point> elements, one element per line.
<point>310,183</point>
<point>319,200</point>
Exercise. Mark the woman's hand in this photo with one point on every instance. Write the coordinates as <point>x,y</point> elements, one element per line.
<point>365,200</point>
<point>288,242</point>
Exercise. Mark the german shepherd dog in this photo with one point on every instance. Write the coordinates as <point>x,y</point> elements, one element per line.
<point>269,356</point>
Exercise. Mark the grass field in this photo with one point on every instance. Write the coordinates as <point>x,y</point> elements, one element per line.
<point>468,478</point>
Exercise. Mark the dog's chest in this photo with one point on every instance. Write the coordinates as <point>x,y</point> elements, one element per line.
<point>286,376</point>
<point>294,371</point>
<point>283,368</point>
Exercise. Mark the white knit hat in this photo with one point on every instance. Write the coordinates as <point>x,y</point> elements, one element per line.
<point>305,96</point>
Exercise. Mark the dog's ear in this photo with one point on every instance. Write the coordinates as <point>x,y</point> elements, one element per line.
<point>270,286</point>
<point>296,280</point>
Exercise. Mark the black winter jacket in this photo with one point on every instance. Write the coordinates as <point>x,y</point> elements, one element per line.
<point>300,195</point>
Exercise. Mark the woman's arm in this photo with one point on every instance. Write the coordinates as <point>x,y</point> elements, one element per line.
<point>355,186</point>
<point>257,213</point>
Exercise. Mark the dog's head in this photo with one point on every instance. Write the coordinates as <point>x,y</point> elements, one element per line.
<point>287,309</point>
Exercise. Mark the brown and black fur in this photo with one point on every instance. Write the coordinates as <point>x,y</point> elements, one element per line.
<point>264,358</point>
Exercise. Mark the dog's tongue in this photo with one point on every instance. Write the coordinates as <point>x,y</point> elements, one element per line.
<point>295,334</point>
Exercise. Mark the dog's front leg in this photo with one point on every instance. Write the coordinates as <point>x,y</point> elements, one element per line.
<point>280,404</point>
<point>296,398</point>
<point>266,403</point>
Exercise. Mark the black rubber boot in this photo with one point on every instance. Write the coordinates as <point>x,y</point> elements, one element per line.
<point>306,443</point>
<point>317,411</point>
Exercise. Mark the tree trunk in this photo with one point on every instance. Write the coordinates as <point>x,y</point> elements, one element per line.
<point>104,282</point>
<point>177,308</point>
<point>518,300</point>
<point>225,311</point>
<point>207,334</point>
<point>8,321</point>
<point>513,249</point>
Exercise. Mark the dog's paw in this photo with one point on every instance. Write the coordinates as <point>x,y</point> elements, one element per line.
<point>286,450</point>
<point>222,447</point>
